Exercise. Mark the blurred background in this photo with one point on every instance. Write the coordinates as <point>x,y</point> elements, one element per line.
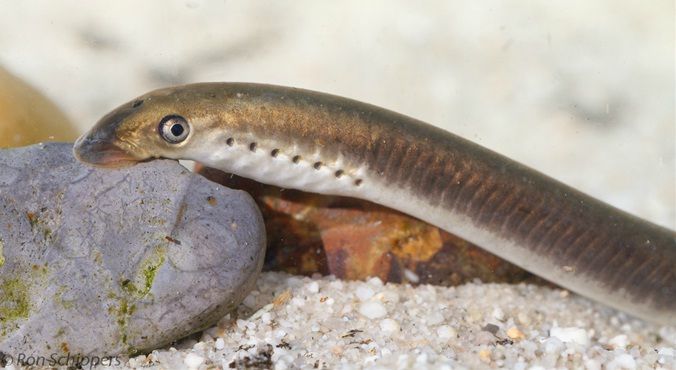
<point>581,90</point>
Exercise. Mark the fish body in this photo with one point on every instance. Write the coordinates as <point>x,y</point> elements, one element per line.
<point>321,143</point>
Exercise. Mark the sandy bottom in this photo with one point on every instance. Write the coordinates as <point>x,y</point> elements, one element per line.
<point>292,322</point>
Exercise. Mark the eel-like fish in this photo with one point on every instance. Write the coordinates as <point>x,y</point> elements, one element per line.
<point>321,143</point>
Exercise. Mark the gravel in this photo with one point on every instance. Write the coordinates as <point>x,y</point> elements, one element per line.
<point>291,322</point>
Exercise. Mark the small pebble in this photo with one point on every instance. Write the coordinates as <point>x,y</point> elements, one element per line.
<point>435,318</point>
<point>375,282</point>
<point>390,296</point>
<point>485,355</point>
<point>484,338</point>
<point>665,351</point>
<point>553,345</point>
<point>364,292</point>
<point>193,361</point>
<point>446,332</point>
<point>515,333</point>
<point>372,310</point>
<point>619,341</point>
<point>491,328</point>
<point>313,287</point>
<point>498,314</point>
<point>220,344</point>
<point>592,364</point>
<point>389,326</point>
<point>623,361</point>
<point>523,318</point>
<point>519,366</point>
<point>346,309</point>
<point>282,298</point>
<point>411,276</point>
<point>474,314</point>
<point>571,334</point>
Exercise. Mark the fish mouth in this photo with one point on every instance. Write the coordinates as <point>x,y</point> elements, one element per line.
<point>102,153</point>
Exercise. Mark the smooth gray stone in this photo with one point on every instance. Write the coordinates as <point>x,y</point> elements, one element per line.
<point>101,262</point>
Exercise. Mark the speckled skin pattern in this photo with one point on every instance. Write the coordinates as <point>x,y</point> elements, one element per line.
<point>322,143</point>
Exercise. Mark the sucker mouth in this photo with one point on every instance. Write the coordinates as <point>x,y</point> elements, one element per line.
<point>101,153</point>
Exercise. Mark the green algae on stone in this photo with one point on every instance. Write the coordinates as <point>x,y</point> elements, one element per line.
<point>136,288</point>
<point>15,304</point>
<point>58,298</point>
<point>32,219</point>
<point>149,273</point>
<point>123,313</point>
<point>145,275</point>
<point>2,256</point>
<point>38,225</point>
<point>40,270</point>
<point>15,298</point>
<point>47,233</point>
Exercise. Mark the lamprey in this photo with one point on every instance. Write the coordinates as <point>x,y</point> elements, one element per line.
<point>321,143</point>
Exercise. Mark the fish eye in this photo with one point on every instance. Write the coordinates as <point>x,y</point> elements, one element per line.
<point>174,129</point>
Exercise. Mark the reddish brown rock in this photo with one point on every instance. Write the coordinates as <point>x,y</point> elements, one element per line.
<point>356,239</point>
